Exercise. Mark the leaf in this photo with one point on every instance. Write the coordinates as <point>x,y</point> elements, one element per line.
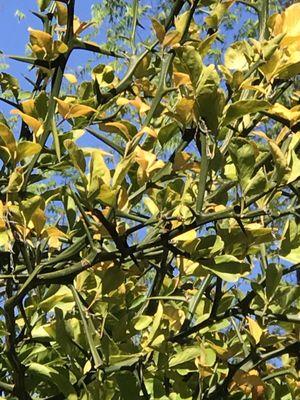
<point>242,153</point>
<point>288,23</point>
<point>122,127</point>
<point>215,17</point>
<point>188,354</point>
<point>137,103</point>
<point>62,13</point>
<point>43,4</point>
<point>7,140</point>
<point>71,78</point>
<point>122,170</point>
<point>143,322</point>
<point>16,181</point>
<point>112,279</point>
<point>171,39</point>
<point>62,296</point>
<point>192,63</point>
<point>181,78</point>
<point>99,172</point>
<point>273,277</point>
<point>243,107</point>
<point>227,267</point>
<point>33,123</point>
<point>128,385</point>
<point>53,375</point>
<point>27,149</point>
<point>76,155</point>
<point>40,39</point>
<point>159,30</point>
<point>282,170</point>
<point>69,110</point>
<point>255,329</point>
<point>234,57</point>
<point>290,244</point>
<point>103,75</point>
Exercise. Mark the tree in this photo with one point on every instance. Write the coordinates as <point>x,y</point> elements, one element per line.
<point>170,273</point>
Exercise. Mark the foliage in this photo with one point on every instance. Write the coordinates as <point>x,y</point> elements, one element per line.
<point>165,275</point>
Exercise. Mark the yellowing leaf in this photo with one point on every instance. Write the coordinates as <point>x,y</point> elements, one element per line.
<point>188,354</point>
<point>184,110</point>
<point>62,13</point>
<point>27,149</point>
<point>235,59</point>
<point>243,107</point>
<point>137,102</point>
<point>53,234</point>
<point>181,78</point>
<point>41,39</point>
<point>69,110</point>
<point>122,127</point>
<point>143,322</point>
<point>288,116</point>
<point>287,22</point>
<point>282,169</point>
<point>71,78</point>
<point>33,123</point>
<point>171,39</point>
<point>159,30</point>
<point>79,110</point>
<point>255,329</point>
<point>16,181</point>
<point>7,139</point>
<point>181,22</point>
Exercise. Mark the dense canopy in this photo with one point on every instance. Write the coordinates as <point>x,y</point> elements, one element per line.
<point>149,209</point>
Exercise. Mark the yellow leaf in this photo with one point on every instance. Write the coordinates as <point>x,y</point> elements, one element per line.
<point>63,107</point>
<point>288,23</point>
<point>62,13</point>
<point>151,205</point>
<point>15,181</point>
<point>69,110</point>
<point>171,39</point>
<point>255,329</point>
<point>41,39</point>
<point>2,216</point>
<point>187,236</point>
<point>291,115</point>
<point>53,234</point>
<point>235,59</point>
<point>184,110</point>
<point>181,78</point>
<point>7,139</point>
<point>137,102</point>
<point>27,149</point>
<point>149,131</point>
<point>79,110</point>
<point>33,123</point>
<point>181,22</point>
<point>71,78</point>
<point>159,30</point>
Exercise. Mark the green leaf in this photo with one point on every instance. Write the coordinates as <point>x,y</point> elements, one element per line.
<point>273,277</point>
<point>167,132</point>
<point>143,322</point>
<point>192,63</point>
<point>188,354</point>
<point>53,376</point>
<point>243,107</point>
<point>128,386</point>
<point>227,267</point>
<point>242,153</point>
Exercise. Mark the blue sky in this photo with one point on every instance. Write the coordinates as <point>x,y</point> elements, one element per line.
<point>14,34</point>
